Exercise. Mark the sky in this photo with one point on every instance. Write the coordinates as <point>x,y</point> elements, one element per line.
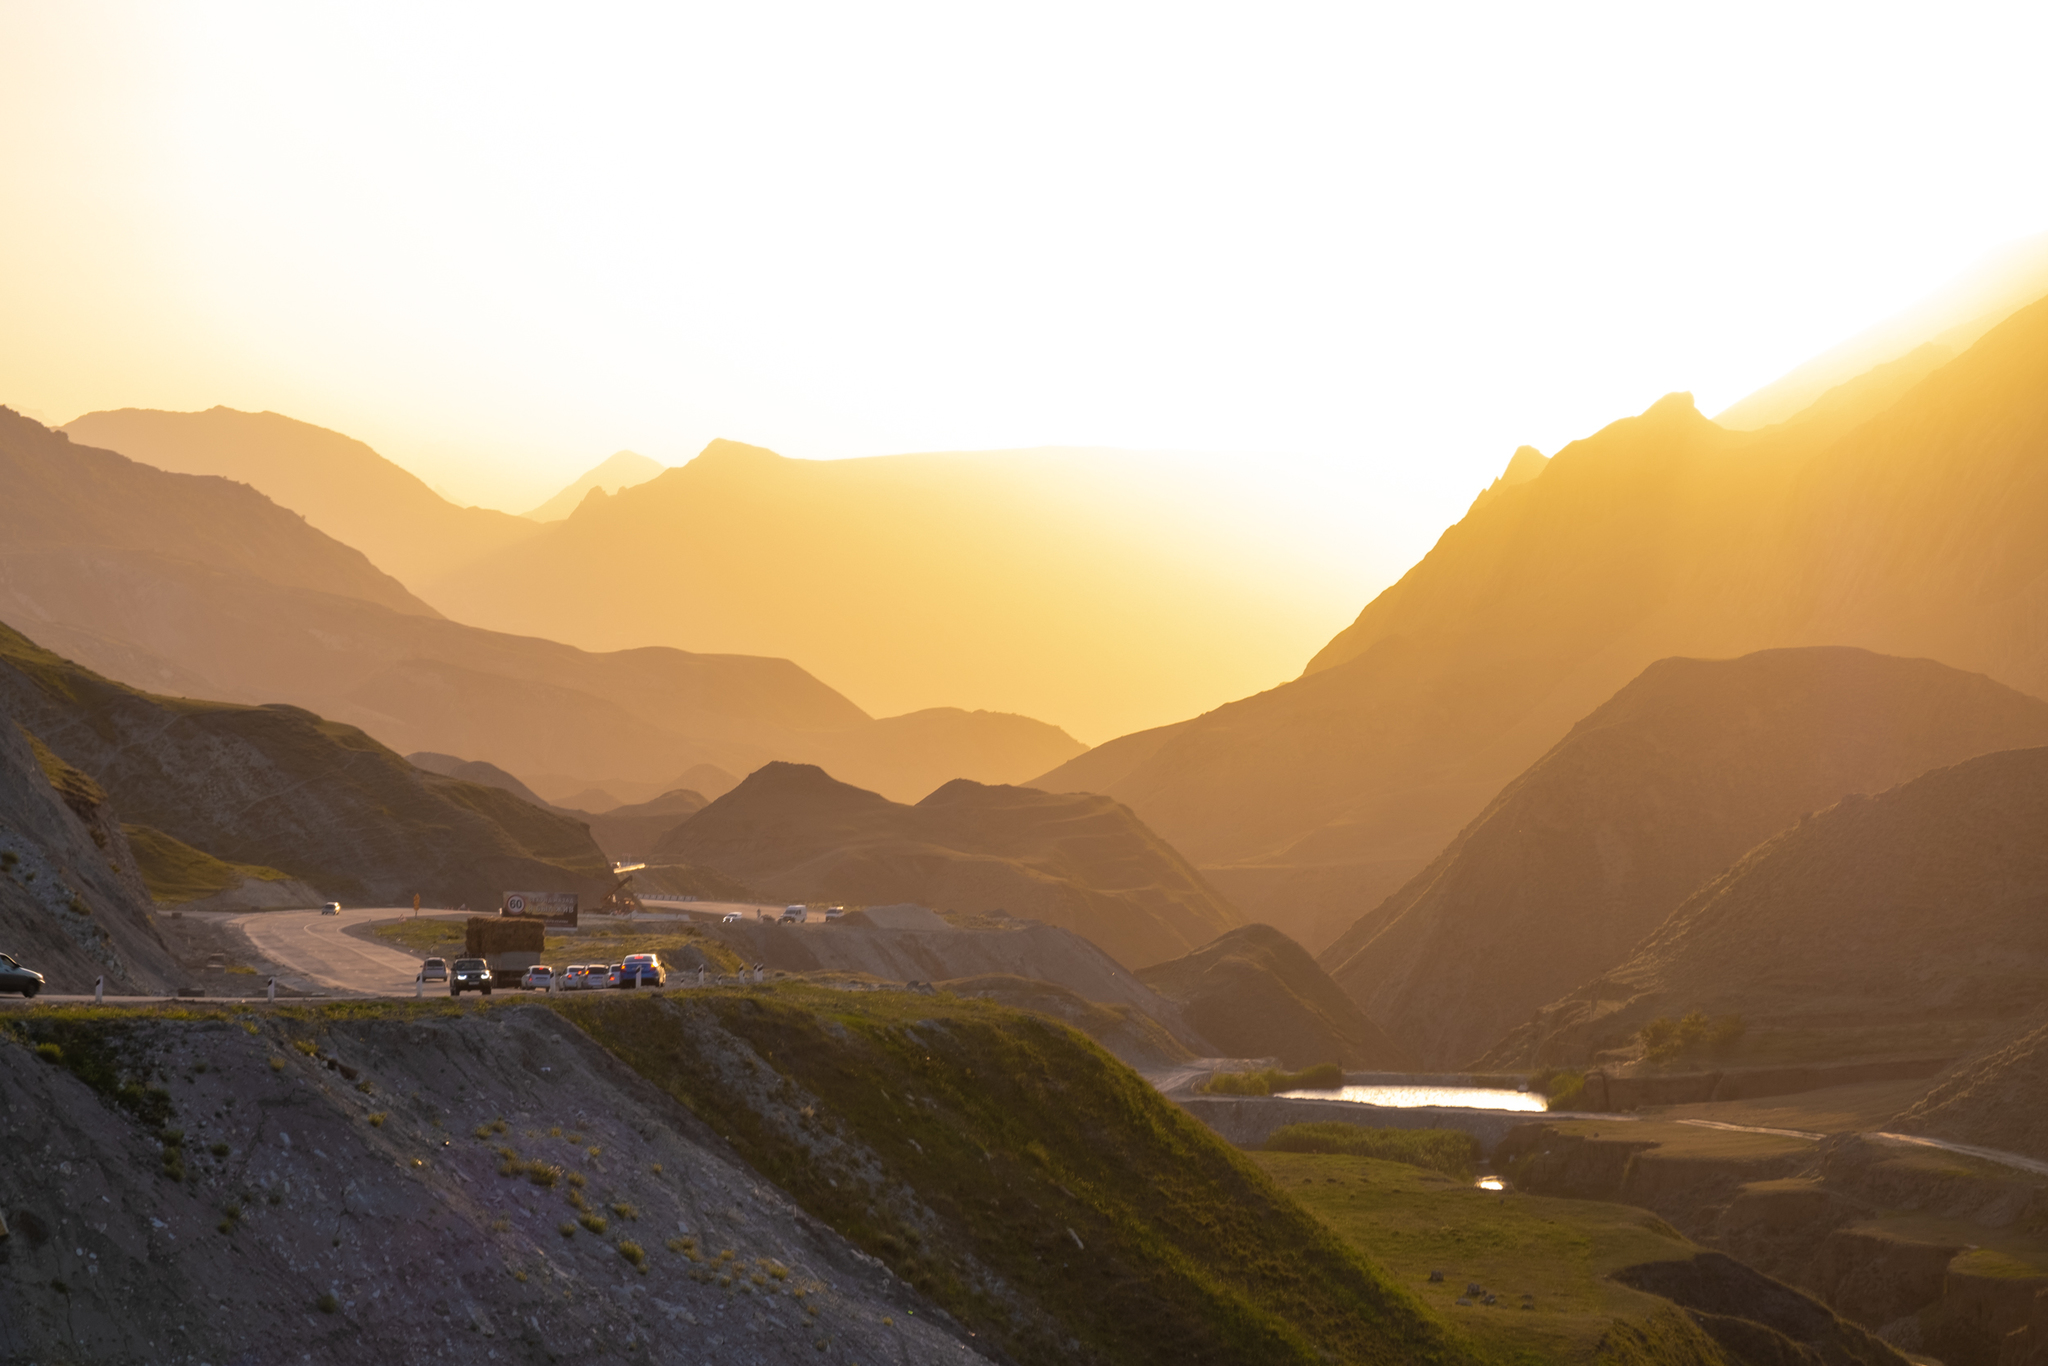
<point>1351,254</point>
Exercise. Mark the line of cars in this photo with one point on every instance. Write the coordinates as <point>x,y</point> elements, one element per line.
<point>476,974</point>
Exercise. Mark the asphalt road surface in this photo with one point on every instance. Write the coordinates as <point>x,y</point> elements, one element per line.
<point>321,957</point>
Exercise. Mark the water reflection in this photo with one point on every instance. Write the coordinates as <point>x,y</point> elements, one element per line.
<point>1463,1097</point>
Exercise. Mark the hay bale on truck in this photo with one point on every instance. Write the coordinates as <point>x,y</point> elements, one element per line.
<point>511,944</point>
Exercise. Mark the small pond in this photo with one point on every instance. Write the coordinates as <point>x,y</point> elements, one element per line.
<point>1461,1097</point>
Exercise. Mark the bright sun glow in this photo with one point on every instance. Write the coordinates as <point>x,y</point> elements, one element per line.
<point>1369,250</point>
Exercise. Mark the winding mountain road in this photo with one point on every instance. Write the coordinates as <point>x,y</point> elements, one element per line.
<point>315,950</point>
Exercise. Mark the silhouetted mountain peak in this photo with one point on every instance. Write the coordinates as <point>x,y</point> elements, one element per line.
<point>967,792</point>
<point>722,454</point>
<point>1525,464</point>
<point>804,785</point>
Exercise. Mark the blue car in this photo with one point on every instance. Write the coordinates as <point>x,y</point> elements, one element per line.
<point>642,970</point>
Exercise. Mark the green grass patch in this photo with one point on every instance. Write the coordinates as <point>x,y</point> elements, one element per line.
<point>176,873</point>
<point>1052,1173</point>
<point>1563,1088</point>
<point>1561,1252</point>
<point>99,1048</point>
<point>1449,1151</point>
<point>1324,1076</point>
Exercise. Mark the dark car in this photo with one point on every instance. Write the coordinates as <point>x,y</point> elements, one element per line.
<point>642,970</point>
<point>470,974</point>
<point>15,977</point>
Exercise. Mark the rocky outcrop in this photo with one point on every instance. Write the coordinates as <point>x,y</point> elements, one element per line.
<point>72,902</point>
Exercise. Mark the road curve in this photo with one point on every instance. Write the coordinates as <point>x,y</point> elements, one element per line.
<point>313,948</point>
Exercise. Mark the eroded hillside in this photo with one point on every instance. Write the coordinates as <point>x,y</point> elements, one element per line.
<point>283,789</point>
<point>1682,772</point>
<point>1908,922</point>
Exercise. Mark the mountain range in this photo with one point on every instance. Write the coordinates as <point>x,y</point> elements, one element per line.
<point>1901,512</point>
<point>201,586</point>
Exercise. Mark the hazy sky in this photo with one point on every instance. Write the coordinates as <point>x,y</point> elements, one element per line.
<point>1369,248</point>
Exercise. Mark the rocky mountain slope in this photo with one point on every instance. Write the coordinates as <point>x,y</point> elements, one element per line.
<point>72,901</point>
<point>194,585</point>
<point>280,787</point>
<point>1682,772</point>
<point>756,1177</point>
<point>352,1202</point>
<point>1080,862</point>
<point>1998,1099</point>
<point>1906,922</point>
<point>1255,993</point>
<point>1907,523</point>
<point>335,482</point>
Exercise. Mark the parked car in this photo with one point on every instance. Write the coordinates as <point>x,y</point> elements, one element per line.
<point>470,974</point>
<point>731,918</point>
<point>539,977</point>
<point>612,974</point>
<point>15,977</point>
<point>835,912</point>
<point>794,915</point>
<point>434,970</point>
<point>642,970</point>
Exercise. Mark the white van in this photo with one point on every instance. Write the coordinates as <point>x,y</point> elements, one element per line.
<point>794,915</point>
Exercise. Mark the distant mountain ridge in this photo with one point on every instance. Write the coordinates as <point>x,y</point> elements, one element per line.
<point>198,585</point>
<point>620,470</point>
<point>339,484</point>
<point>1080,862</point>
<point>1077,586</point>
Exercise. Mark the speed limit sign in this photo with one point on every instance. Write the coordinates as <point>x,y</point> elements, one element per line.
<point>515,903</point>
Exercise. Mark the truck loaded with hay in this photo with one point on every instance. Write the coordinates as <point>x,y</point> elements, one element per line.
<point>511,944</point>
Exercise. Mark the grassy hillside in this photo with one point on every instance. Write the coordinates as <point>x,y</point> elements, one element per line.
<point>1080,862</point>
<point>175,872</point>
<point>1255,993</point>
<point>1683,771</point>
<point>283,789</point>
<point>1035,1188</point>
